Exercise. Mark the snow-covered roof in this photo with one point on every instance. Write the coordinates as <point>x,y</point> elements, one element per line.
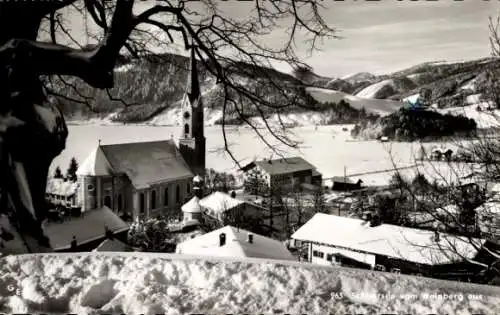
<point>491,206</point>
<point>236,245</point>
<point>285,165</point>
<point>113,245</point>
<point>220,202</point>
<point>147,163</point>
<point>88,227</point>
<point>495,188</point>
<point>394,241</point>
<point>192,206</point>
<point>58,186</point>
<point>96,164</point>
<point>197,179</point>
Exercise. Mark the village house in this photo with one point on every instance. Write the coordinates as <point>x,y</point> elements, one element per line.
<point>234,242</point>
<point>353,242</point>
<point>146,179</point>
<point>285,172</point>
<point>488,219</point>
<point>438,154</point>
<point>218,208</point>
<point>60,192</point>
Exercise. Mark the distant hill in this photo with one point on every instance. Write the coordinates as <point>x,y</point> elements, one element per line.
<point>150,88</point>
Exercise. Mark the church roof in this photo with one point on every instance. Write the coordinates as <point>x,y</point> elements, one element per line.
<point>147,163</point>
<point>192,206</point>
<point>96,164</point>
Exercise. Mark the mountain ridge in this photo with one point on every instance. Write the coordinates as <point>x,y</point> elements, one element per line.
<point>153,85</point>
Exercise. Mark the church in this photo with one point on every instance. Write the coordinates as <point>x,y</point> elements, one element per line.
<point>146,179</point>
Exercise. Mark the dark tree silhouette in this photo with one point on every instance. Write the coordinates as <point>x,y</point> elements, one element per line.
<point>58,173</point>
<point>71,171</point>
<point>37,48</point>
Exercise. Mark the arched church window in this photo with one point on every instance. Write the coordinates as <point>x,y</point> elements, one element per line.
<point>107,201</point>
<point>142,203</point>
<point>165,197</point>
<point>186,128</point>
<point>178,194</point>
<point>120,202</point>
<point>153,199</point>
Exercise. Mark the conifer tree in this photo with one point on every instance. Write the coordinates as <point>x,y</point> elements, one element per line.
<point>71,172</point>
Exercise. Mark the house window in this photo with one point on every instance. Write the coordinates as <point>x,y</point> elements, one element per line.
<point>165,197</point>
<point>153,199</point>
<point>318,254</point>
<point>141,201</point>
<point>107,201</point>
<point>188,188</point>
<point>120,202</point>
<point>178,194</point>
<point>329,257</point>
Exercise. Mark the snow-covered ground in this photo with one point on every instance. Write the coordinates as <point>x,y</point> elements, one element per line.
<point>381,107</point>
<point>371,90</point>
<point>484,119</point>
<point>329,148</point>
<point>140,283</point>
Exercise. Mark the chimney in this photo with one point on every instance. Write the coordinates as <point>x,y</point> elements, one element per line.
<point>73,243</point>
<point>222,239</point>
<point>250,238</point>
<point>108,233</point>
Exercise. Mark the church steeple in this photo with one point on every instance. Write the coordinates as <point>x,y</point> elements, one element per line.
<point>193,84</point>
<point>192,140</point>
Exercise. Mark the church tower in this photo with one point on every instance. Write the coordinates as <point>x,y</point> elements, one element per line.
<point>192,140</point>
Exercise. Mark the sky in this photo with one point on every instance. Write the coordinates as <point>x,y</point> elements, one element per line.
<point>389,35</point>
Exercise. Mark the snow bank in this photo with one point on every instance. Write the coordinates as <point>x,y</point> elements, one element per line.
<point>140,283</point>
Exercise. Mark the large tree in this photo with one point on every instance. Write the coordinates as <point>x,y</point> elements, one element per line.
<point>37,46</point>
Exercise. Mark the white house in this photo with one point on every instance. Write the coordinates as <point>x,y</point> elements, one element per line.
<point>237,243</point>
<point>488,218</point>
<point>283,172</point>
<point>219,206</point>
<point>333,239</point>
<point>61,192</point>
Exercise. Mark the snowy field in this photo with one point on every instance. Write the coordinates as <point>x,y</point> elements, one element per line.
<point>132,283</point>
<point>329,148</point>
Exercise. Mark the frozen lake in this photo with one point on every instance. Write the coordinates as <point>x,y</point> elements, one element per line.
<point>329,148</point>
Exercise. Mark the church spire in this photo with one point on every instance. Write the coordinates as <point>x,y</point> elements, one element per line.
<point>193,85</point>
